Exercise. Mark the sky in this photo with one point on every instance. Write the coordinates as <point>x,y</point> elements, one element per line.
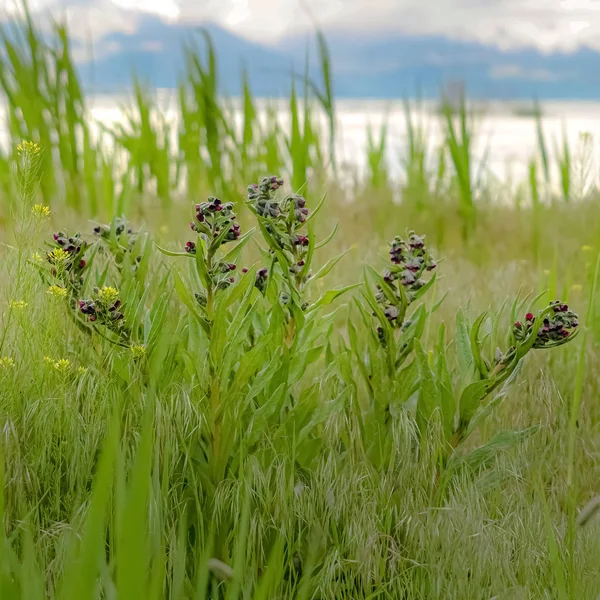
<point>546,24</point>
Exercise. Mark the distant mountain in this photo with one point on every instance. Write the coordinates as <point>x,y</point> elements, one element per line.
<point>363,66</point>
<point>155,52</point>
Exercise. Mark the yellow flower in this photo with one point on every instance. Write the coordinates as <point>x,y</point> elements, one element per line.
<point>26,148</point>
<point>138,351</point>
<point>56,291</point>
<point>17,304</point>
<point>81,370</point>
<point>586,248</point>
<point>36,257</point>
<point>576,287</point>
<point>6,362</point>
<point>62,365</point>
<point>58,256</point>
<point>107,296</point>
<point>40,211</point>
<point>48,360</point>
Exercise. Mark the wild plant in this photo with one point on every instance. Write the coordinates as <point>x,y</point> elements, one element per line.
<point>399,371</point>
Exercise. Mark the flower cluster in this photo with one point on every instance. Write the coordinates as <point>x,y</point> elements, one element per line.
<point>27,148</point>
<point>118,238</point>
<point>119,225</point>
<point>284,217</point>
<point>17,304</point>
<point>66,258</point>
<point>103,307</point>
<point>262,277</point>
<point>267,205</point>
<point>213,218</point>
<point>57,291</point>
<point>138,351</point>
<point>410,260</point>
<point>557,327</point>
<point>40,211</point>
<point>63,365</point>
<point>215,223</point>
<point>6,362</point>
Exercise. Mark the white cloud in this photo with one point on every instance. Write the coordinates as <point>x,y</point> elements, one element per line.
<point>547,24</point>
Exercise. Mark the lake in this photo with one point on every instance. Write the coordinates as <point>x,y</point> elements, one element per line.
<point>505,133</point>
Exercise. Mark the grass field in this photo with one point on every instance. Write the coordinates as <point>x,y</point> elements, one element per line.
<point>286,400</point>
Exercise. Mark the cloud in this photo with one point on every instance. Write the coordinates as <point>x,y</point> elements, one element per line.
<point>547,24</point>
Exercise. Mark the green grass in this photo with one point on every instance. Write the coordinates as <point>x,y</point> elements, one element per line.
<point>321,486</point>
<point>233,441</point>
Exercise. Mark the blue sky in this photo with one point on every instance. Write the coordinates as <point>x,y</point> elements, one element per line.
<point>547,24</point>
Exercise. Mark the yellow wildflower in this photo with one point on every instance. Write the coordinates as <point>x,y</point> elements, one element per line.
<point>81,370</point>
<point>36,257</point>
<point>26,148</point>
<point>40,211</point>
<point>107,296</point>
<point>138,351</point>
<point>6,362</point>
<point>62,365</point>
<point>48,360</point>
<point>586,248</point>
<point>58,256</point>
<point>17,304</point>
<point>57,291</point>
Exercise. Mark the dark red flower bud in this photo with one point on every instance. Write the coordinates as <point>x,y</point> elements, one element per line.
<point>518,324</point>
<point>529,317</point>
<point>82,263</point>
<point>244,270</point>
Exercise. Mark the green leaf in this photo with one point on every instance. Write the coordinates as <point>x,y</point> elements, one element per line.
<point>328,266</point>
<point>422,291</point>
<point>441,363</point>
<point>385,287</point>
<point>471,397</point>
<point>483,456</point>
<point>315,210</point>
<point>326,241</point>
<point>475,344</point>
<point>234,253</point>
<point>330,296</point>
<point>201,264</point>
<point>190,302</point>
<point>463,346</point>
<point>429,396</point>
<point>448,409</point>
<point>171,253</point>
